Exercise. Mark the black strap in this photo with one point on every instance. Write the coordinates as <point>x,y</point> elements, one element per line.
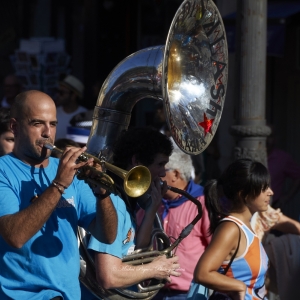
<point>232,257</point>
<point>236,251</point>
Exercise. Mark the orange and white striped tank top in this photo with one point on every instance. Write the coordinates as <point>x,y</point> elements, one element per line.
<point>251,266</point>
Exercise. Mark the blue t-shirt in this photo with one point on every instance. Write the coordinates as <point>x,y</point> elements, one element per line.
<point>125,241</point>
<point>48,264</point>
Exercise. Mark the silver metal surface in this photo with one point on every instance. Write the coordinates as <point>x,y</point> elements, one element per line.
<point>136,77</point>
<point>189,75</point>
<point>195,73</point>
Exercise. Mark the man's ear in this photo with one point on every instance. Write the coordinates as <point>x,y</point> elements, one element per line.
<point>13,126</point>
<point>176,175</point>
<point>245,199</point>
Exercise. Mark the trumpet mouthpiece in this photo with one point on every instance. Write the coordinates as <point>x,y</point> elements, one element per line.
<point>51,147</point>
<point>47,145</point>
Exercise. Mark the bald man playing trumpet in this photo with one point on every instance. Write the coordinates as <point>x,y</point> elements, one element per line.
<point>42,202</point>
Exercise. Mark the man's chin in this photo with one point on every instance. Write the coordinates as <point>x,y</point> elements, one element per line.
<point>45,154</point>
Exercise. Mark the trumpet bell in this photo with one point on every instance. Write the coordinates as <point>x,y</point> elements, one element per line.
<point>137,181</point>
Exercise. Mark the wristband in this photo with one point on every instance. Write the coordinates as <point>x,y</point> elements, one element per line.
<point>102,196</point>
<point>60,184</point>
<point>61,189</point>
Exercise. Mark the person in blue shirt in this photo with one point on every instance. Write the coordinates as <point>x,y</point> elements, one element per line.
<point>42,202</point>
<point>137,146</point>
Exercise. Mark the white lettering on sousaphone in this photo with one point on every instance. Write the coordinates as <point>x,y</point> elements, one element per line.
<point>217,91</point>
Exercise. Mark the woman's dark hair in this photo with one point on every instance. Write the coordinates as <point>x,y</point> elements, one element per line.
<point>242,178</point>
<point>145,143</point>
<point>4,119</point>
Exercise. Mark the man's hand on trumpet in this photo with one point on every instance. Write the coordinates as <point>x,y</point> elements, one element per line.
<point>69,165</point>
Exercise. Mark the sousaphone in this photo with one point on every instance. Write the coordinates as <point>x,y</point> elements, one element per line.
<point>189,74</point>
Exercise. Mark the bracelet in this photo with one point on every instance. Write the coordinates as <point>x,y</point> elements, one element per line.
<point>102,196</point>
<point>60,189</point>
<point>58,183</point>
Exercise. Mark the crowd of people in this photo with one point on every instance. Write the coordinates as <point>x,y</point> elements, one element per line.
<point>43,203</point>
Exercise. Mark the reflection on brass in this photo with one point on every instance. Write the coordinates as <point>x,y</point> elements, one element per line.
<point>174,66</point>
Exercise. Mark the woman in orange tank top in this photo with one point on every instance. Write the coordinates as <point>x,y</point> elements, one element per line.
<point>242,190</point>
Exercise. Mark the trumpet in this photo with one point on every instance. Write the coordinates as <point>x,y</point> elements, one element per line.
<point>136,181</point>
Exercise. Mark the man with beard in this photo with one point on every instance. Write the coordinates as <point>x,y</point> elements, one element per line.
<point>137,146</point>
<point>41,205</point>
<point>176,212</point>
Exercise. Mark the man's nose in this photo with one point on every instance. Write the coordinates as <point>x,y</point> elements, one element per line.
<point>162,173</point>
<point>47,131</point>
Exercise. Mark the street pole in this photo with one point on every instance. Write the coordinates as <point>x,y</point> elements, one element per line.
<point>250,129</point>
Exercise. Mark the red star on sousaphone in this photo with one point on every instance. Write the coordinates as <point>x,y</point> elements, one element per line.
<point>206,124</point>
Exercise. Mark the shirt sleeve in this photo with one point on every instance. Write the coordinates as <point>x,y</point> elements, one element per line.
<point>115,248</point>
<point>9,201</point>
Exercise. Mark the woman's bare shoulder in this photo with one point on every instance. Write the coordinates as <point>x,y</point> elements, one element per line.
<point>227,230</point>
